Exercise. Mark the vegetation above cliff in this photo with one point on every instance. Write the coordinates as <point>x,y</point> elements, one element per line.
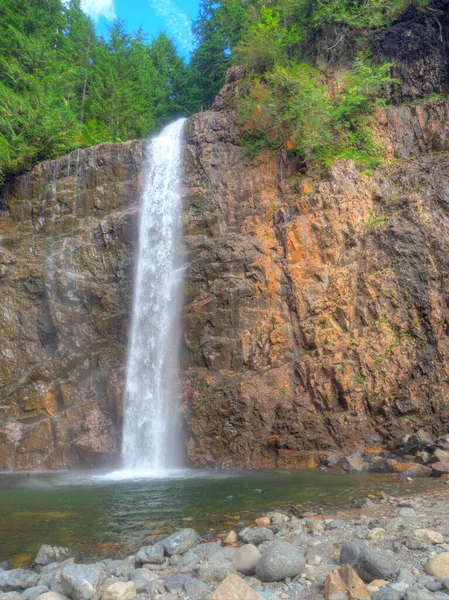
<point>62,87</point>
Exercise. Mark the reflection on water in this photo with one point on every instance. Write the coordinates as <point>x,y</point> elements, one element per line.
<point>86,510</point>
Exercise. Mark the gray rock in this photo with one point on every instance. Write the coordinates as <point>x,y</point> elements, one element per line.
<point>51,575</point>
<point>267,595</point>
<point>246,559</point>
<point>400,586</point>
<point>368,562</point>
<point>120,590</point>
<point>49,554</point>
<point>143,579</point>
<point>208,550</point>
<point>280,561</point>
<point>189,563</point>
<point>52,595</point>
<point>17,579</point>
<point>338,596</point>
<point>406,576</point>
<point>300,539</point>
<point>179,542</point>
<point>335,524</point>
<point>152,554</point>
<point>174,582</point>
<point>120,568</point>
<point>33,592</point>
<point>256,535</point>
<point>194,588</point>
<point>387,593</point>
<point>406,512</point>
<point>82,582</point>
<point>212,571</point>
<point>10,596</point>
<point>156,566</point>
<point>353,463</point>
<point>416,592</point>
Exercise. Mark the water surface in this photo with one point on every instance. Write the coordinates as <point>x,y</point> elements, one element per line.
<point>86,510</point>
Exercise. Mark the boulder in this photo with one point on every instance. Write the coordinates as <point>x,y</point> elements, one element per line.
<point>412,469</point>
<point>279,561</point>
<point>49,554</point>
<point>17,579</point>
<point>151,554</point>
<point>143,581</point>
<point>82,582</point>
<point>179,542</point>
<point>231,539</point>
<point>10,596</point>
<point>120,568</point>
<point>246,559</point>
<point>120,591</point>
<point>440,468</point>
<point>256,535</point>
<point>344,580</point>
<point>368,562</point>
<point>354,463</point>
<point>234,588</point>
<point>195,588</point>
<point>33,592</point>
<point>51,575</point>
<point>422,538</point>
<point>52,595</point>
<point>437,566</point>
<point>214,571</point>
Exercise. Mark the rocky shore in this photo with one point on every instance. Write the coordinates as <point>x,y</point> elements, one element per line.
<point>384,548</point>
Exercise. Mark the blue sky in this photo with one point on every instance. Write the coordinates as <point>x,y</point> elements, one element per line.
<point>172,16</point>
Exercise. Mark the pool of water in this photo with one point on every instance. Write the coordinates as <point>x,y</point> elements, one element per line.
<point>88,510</point>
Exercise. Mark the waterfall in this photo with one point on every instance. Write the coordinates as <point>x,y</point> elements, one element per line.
<point>152,430</point>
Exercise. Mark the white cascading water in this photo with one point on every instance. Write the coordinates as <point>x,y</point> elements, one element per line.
<point>152,430</point>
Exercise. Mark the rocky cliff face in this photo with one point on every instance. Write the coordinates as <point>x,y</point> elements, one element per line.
<point>316,316</point>
<point>316,313</point>
<point>67,232</point>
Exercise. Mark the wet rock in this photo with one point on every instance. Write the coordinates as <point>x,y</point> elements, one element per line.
<point>152,554</point>
<point>437,566</point>
<point>33,592</point>
<point>234,588</point>
<point>49,554</point>
<point>440,468</point>
<point>231,539</point>
<point>280,561</point>
<point>354,463</point>
<point>120,591</point>
<point>82,582</point>
<point>246,559</point>
<point>368,562</point>
<point>17,579</point>
<point>256,535</point>
<point>410,469</point>
<point>344,580</point>
<point>179,542</point>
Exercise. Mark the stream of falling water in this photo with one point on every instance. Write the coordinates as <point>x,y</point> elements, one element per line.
<point>152,430</point>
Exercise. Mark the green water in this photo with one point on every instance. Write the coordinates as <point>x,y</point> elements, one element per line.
<point>87,510</point>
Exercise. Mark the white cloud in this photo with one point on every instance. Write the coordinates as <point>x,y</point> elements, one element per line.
<point>178,23</point>
<point>99,8</point>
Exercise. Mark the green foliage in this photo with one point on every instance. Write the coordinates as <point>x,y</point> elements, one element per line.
<point>294,106</point>
<point>62,88</point>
